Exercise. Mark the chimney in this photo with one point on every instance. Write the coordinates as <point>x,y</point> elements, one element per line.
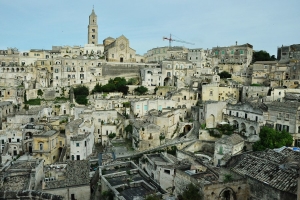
<point>235,43</point>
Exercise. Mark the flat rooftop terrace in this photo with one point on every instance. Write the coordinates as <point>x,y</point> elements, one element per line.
<point>130,192</point>
<point>123,179</point>
<point>157,158</point>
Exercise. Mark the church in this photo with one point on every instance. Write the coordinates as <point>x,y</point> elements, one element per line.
<point>115,50</point>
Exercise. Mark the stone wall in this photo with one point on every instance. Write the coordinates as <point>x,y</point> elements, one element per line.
<point>28,194</point>
<point>239,190</point>
<point>110,70</point>
<point>262,191</point>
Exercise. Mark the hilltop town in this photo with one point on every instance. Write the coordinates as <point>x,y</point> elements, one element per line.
<point>101,122</point>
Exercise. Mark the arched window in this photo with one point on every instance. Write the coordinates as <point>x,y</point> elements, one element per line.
<point>41,146</point>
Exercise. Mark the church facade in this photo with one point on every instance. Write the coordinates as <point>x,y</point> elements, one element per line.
<point>118,50</point>
<point>115,50</point>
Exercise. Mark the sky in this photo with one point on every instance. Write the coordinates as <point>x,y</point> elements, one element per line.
<point>40,24</point>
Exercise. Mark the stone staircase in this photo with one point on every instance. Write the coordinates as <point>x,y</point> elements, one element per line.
<point>63,154</point>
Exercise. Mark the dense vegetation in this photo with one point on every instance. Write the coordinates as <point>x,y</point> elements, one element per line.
<point>224,74</point>
<point>262,56</point>
<point>191,193</point>
<point>141,90</point>
<point>271,138</point>
<point>117,84</point>
<point>81,93</point>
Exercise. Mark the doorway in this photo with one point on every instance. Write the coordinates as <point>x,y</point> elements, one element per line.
<point>121,59</point>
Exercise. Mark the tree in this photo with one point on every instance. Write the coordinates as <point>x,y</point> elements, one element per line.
<point>97,88</point>
<point>224,74</point>
<point>191,193</point>
<point>141,90</point>
<point>81,92</point>
<point>262,56</point>
<point>132,81</point>
<point>117,84</point>
<point>40,92</point>
<point>271,138</point>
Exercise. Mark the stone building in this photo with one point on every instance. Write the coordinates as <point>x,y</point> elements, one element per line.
<point>118,50</point>
<point>151,76</point>
<point>235,54</point>
<point>22,175</point>
<point>81,146</point>
<point>263,72</point>
<point>68,179</point>
<point>68,71</point>
<point>141,107</point>
<point>210,113</point>
<point>6,108</point>
<point>285,116</point>
<point>176,72</point>
<point>145,135</point>
<point>159,167</point>
<point>252,93</point>
<point>216,92</point>
<point>48,146</point>
<point>269,174</point>
<point>93,29</point>
<point>226,147</point>
<point>127,181</point>
<point>198,57</point>
<point>168,120</point>
<point>210,180</point>
<point>288,53</point>
<point>247,118</point>
<point>156,55</point>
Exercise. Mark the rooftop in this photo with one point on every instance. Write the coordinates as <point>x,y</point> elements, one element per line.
<point>232,139</point>
<point>130,192</point>
<point>267,172</point>
<point>15,183</point>
<point>47,133</point>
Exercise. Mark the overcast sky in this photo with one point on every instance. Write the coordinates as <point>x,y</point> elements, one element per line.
<point>38,24</point>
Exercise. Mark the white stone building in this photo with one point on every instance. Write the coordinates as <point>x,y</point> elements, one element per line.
<point>226,147</point>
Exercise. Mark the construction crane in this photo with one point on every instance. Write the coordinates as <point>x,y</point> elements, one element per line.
<point>171,39</point>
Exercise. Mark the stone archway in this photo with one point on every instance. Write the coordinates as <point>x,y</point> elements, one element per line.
<point>243,129</point>
<point>210,121</point>
<point>167,81</point>
<point>227,194</point>
<point>187,128</point>
<point>235,124</point>
<point>252,130</point>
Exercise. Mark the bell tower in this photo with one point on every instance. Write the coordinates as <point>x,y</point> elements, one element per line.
<point>93,29</point>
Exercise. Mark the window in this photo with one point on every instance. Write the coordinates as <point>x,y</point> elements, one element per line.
<point>167,171</point>
<point>287,116</point>
<point>223,52</point>
<point>77,144</point>
<point>137,106</point>
<point>232,52</point>
<point>210,92</point>
<point>112,55</point>
<point>159,107</point>
<point>93,30</point>
<point>145,107</point>
<point>216,53</point>
<point>41,146</point>
<point>241,52</point>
